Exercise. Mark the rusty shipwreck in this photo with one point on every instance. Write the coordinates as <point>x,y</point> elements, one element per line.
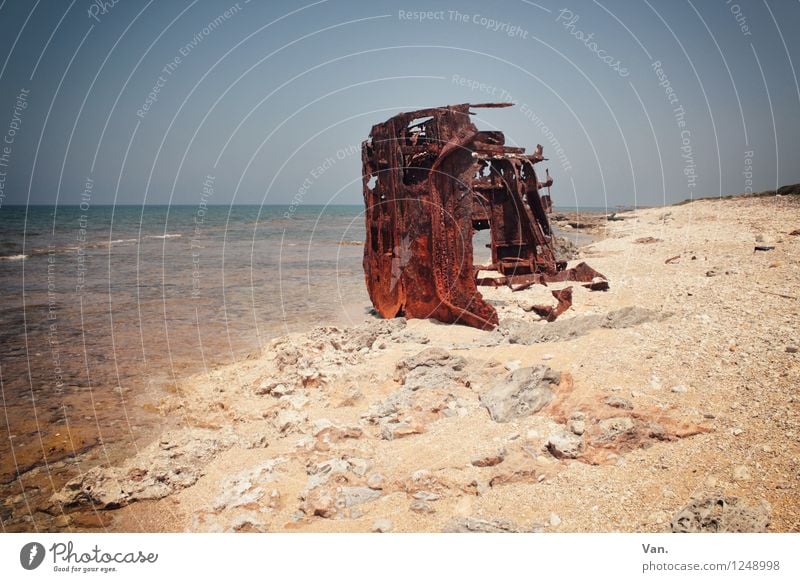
<point>430,180</point>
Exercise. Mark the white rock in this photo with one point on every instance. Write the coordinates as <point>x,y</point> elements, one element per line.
<point>382,525</point>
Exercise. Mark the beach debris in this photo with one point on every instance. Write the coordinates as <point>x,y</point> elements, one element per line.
<point>795,232</point>
<point>550,313</point>
<point>763,248</point>
<point>431,179</point>
<point>647,240</point>
<point>673,260</point>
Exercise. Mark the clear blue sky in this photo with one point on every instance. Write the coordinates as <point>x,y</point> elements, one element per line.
<point>266,93</point>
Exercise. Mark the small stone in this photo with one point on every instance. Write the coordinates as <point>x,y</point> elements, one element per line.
<point>420,506</point>
<point>658,517</point>
<point>547,357</point>
<point>426,496</point>
<point>323,506</point>
<point>513,365</point>
<point>737,431</point>
<point>289,420</point>
<point>741,473</point>
<point>382,525</point>
<point>420,475</point>
<point>281,390</point>
<point>791,349</point>
<point>564,445</point>
<point>375,481</point>
<point>396,430</point>
<point>360,466</point>
<point>489,459</point>
<point>618,402</point>
<point>351,496</point>
<point>679,389</point>
<point>577,427</point>
<point>613,428</point>
<point>554,520</point>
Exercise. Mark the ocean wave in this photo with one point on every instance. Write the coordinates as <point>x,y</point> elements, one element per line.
<point>14,258</point>
<point>162,236</point>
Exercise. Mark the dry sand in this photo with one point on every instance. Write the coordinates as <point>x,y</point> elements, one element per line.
<point>688,390</point>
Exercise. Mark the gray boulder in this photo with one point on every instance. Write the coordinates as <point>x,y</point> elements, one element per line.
<point>431,368</point>
<point>718,514</point>
<point>521,393</point>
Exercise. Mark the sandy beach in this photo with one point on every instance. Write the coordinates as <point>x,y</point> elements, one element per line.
<point>649,407</point>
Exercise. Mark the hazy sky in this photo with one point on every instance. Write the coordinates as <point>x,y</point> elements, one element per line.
<point>644,103</point>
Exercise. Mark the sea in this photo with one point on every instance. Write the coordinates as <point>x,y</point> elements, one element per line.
<point>105,308</point>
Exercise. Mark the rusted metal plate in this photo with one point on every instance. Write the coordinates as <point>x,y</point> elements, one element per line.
<point>430,180</point>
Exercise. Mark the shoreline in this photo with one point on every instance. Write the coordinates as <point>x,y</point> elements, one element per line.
<point>336,429</point>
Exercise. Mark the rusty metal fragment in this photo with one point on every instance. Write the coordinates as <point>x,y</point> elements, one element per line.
<point>431,179</point>
<point>550,313</point>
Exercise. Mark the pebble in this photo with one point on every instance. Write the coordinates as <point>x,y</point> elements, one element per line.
<point>737,431</point>
<point>489,459</point>
<point>513,365</point>
<point>375,481</point>
<point>741,473</point>
<point>382,525</point>
<point>426,495</point>
<point>360,466</point>
<point>791,349</point>
<point>554,520</point>
<point>618,402</point>
<point>576,426</point>
<point>564,445</point>
<point>679,389</point>
<point>420,506</point>
<point>547,357</point>
<point>420,475</point>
